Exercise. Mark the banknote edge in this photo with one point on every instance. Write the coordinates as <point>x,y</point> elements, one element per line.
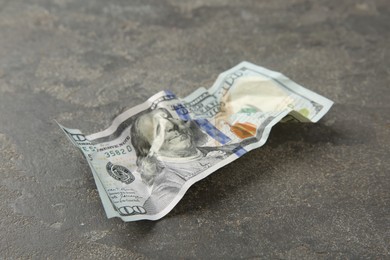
<point>105,200</point>
<point>291,84</point>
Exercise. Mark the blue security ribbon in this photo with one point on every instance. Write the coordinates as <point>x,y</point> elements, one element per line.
<point>182,112</point>
<point>212,131</point>
<point>239,151</point>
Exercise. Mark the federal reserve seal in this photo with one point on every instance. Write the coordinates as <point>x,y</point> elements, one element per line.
<point>120,173</point>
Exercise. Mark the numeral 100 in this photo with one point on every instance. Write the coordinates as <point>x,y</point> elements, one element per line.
<point>127,210</point>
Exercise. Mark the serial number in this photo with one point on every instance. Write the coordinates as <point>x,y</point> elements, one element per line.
<point>118,152</point>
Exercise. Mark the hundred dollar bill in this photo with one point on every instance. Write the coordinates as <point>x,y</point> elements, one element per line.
<point>152,153</point>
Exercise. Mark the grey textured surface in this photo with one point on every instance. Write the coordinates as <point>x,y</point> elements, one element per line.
<point>312,192</point>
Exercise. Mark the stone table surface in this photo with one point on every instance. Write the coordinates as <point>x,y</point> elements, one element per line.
<point>313,191</point>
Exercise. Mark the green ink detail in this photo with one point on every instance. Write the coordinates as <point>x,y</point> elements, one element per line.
<point>304,111</point>
<point>248,110</point>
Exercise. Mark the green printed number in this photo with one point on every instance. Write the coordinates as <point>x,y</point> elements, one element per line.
<point>118,152</point>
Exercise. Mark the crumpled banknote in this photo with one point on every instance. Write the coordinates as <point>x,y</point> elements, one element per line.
<point>152,153</point>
